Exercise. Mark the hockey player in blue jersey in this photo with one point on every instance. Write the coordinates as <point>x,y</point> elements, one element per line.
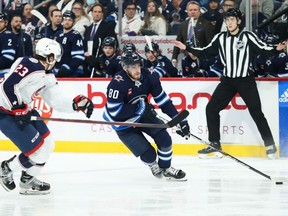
<point>73,52</point>
<point>53,27</point>
<point>28,78</point>
<point>192,66</point>
<point>275,66</point>
<point>8,46</point>
<point>108,63</point>
<point>132,47</point>
<point>155,57</point>
<point>127,100</point>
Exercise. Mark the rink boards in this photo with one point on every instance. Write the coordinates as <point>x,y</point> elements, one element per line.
<point>239,134</point>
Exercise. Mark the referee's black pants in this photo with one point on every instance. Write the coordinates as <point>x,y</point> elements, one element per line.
<point>223,94</point>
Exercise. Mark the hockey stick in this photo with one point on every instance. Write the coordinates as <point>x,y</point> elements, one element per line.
<point>182,115</point>
<point>149,42</point>
<point>41,18</point>
<point>277,180</point>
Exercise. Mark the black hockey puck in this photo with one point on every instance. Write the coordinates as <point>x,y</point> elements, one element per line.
<point>278,183</point>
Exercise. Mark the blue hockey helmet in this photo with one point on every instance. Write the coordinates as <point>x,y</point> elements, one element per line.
<point>130,58</point>
<point>109,41</point>
<point>3,16</point>
<point>69,14</point>
<point>233,12</point>
<point>129,47</point>
<point>155,47</point>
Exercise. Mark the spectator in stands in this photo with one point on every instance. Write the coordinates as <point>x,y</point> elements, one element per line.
<point>29,22</point>
<point>131,21</point>
<point>154,22</point>
<point>281,24</point>
<point>167,9</point>
<point>155,58</point>
<point>175,24</point>
<point>82,18</point>
<point>53,27</point>
<point>226,4</point>
<point>8,46</point>
<point>71,41</point>
<point>265,6</point>
<point>108,62</point>
<point>213,15</point>
<point>24,41</point>
<point>258,18</point>
<point>94,35</point>
<point>201,30</point>
<point>141,6</point>
<point>64,5</point>
<point>180,7</point>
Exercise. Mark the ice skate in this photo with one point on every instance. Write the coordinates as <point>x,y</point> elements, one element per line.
<point>6,176</point>
<point>271,152</point>
<point>29,185</point>
<point>209,152</point>
<point>174,174</point>
<point>156,170</point>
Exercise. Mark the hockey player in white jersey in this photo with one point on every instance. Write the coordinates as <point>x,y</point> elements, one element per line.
<point>28,78</point>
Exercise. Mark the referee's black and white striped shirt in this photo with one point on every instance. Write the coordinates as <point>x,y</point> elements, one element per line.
<point>236,52</point>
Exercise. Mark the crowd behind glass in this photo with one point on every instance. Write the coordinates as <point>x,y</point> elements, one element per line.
<point>91,47</point>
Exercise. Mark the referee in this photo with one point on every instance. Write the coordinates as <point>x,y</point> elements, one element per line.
<point>236,48</point>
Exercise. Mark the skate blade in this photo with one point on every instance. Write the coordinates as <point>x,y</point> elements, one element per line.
<point>212,155</point>
<point>33,192</point>
<point>174,179</point>
<point>272,156</point>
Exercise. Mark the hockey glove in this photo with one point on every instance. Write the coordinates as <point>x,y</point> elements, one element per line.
<point>22,114</point>
<point>183,129</point>
<point>84,104</point>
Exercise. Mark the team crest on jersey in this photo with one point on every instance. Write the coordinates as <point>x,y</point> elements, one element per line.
<point>239,45</point>
<point>138,83</point>
<point>118,78</point>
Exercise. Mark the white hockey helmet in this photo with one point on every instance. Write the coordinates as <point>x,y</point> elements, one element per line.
<point>46,47</point>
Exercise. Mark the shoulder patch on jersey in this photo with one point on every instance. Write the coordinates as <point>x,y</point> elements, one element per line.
<point>118,78</point>
<point>75,32</point>
<point>118,57</point>
<point>33,60</point>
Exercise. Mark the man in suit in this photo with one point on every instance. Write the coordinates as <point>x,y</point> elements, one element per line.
<point>202,31</point>
<point>94,35</point>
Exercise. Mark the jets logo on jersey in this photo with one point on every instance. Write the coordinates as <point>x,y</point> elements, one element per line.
<point>118,78</point>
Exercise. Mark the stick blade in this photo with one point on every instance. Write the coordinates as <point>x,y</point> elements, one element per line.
<point>39,16</point>
<point>279,179</point>
<point>148,41</point>
<point>181,116</point>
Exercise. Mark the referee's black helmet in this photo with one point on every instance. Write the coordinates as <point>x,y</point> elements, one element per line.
<point>233,12</point>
